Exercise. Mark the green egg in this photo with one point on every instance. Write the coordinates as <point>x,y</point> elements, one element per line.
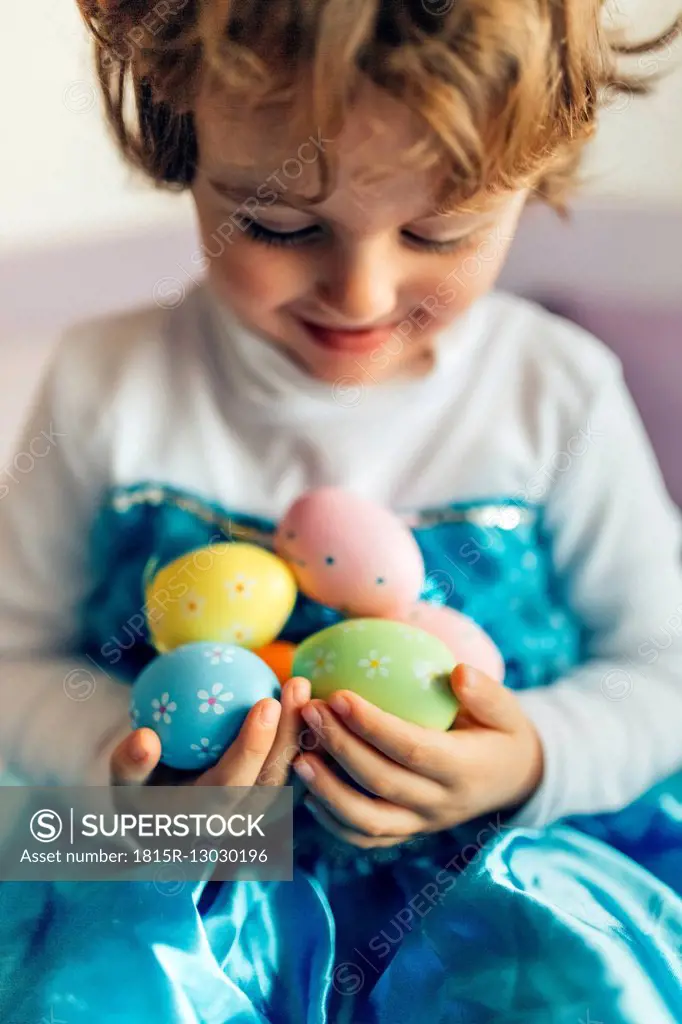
<point>400,668</point>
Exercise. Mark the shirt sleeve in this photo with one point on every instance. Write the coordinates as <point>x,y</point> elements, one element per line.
<point>611,728</point>
<point>61,715</point>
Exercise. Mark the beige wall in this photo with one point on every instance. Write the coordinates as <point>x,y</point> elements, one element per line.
<point>60,176</point>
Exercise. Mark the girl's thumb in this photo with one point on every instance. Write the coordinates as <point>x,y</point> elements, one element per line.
<point>485,700</point>
<point>135,758</point>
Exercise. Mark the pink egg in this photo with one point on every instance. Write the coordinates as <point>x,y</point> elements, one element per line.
<point>470,644</point>
<point>351,554</point>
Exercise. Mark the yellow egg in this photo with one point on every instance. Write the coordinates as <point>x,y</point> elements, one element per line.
<point>224,593</point>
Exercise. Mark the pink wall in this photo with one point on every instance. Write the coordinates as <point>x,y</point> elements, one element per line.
<point>649,342</point>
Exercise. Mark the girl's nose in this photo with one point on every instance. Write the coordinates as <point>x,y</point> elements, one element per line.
<point>358,286</point>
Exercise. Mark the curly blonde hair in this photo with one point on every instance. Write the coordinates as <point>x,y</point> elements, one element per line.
<point>508,91</point>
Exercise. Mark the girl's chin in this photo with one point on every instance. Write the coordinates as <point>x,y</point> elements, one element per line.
<point>365,371</point>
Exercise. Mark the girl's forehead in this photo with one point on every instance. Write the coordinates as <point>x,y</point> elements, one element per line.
<point>375,173</point>
<point>376,131</point>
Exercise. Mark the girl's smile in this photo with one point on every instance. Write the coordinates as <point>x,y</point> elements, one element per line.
<point>358,340</point>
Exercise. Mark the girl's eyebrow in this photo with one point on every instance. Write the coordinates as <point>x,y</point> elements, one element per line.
<point>241,194</point>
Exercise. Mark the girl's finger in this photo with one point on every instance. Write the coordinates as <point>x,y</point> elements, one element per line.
<point>243,761</point>
<point>370,768</point>
<point>486,701</point>
<point>295,694</point>
<point>334,826</point>
<point>424,751</point>
<point>135,758</point>
<point>369,815</point>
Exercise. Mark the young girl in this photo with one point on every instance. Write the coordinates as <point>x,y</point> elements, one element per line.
<point>359,168</point>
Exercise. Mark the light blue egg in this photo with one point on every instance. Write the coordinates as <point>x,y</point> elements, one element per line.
<point>196,697</point>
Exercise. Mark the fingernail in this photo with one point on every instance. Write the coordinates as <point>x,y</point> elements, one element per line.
<point>340,705</point>
<point>269,714</point>
<point>301,691</point>
<point>312,717</point>
<point>304,770</point>
<point>137,751</point>
<point>470,677</point>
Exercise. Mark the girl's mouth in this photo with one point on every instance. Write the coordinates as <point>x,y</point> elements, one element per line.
<point>337,340</point>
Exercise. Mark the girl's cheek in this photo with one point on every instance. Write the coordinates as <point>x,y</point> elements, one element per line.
<point>475,270</point>
<point>258,276</point>
<point>473,274</point>
<point>248,275</point>
<point>446,293</point>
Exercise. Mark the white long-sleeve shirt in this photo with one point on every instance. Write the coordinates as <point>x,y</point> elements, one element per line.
<point>520,404</point>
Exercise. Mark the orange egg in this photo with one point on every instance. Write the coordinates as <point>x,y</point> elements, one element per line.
<point>279,656</point>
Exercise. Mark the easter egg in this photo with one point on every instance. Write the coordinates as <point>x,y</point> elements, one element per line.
<point>279,655</point>
<point>196,698</point>
<point>350,553</point>
<point>469,644</point>
<point>401,669</point>
<point>225,593</point>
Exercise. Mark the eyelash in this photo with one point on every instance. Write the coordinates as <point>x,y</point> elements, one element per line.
<point>278,238</point>
<point>292,239</point>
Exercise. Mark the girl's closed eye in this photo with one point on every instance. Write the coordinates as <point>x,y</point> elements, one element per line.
<point>315,232</point>
<point>268,236</point>
<point>444,246</point>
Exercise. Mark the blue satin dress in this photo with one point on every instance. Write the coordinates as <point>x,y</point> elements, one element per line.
<point>579,922</point>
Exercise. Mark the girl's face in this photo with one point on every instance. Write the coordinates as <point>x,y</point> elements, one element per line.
<point>362,283</point>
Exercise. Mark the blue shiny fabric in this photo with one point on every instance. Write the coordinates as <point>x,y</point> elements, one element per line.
<point>579,922</point>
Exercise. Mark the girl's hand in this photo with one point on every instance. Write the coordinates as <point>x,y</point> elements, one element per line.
<point>421,780</point>
<point>261,754</point>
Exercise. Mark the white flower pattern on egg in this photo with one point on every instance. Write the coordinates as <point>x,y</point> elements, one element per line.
<point>163,708</point>
<point>424,673</point>
<point>135,715</point>
<point>374,664</point>
<point>204,749</point>
<point>240,586</point>
<point>239,634</point>
<point>322,662</point>
<point>212,701</point>
<point>192,605</point>
<point>219,654</point>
